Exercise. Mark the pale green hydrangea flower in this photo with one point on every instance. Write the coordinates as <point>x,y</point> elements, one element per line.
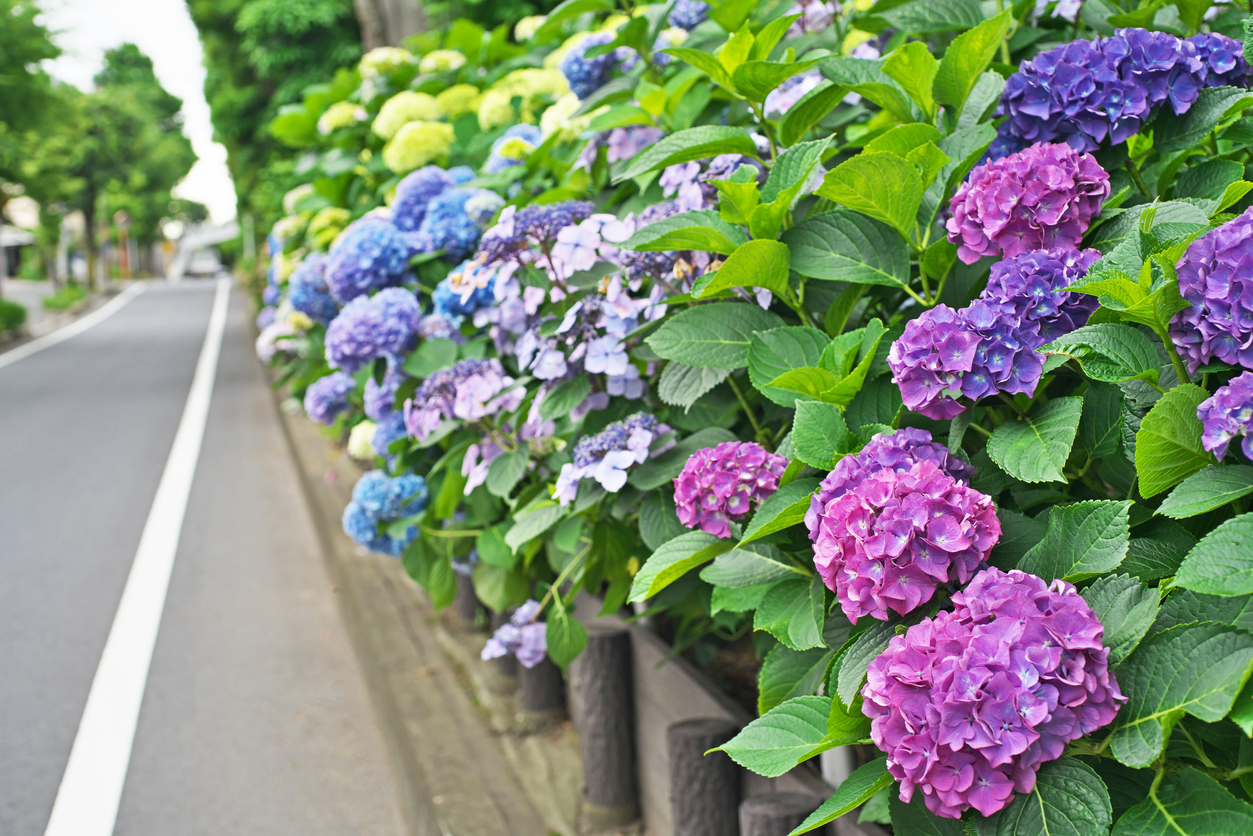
<point>418,144</point>
<point>401,109</point>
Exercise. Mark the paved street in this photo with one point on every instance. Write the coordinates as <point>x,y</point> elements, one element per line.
<point>255,718</point>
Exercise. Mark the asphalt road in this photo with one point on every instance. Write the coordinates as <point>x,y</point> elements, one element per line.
<point>255,718</point>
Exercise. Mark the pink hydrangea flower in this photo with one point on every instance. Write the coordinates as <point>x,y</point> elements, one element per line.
<point>721,483</point>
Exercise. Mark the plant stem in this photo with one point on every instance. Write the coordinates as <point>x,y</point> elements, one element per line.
<point>1175,359</point>
<point>1000,7</point>
<point>562,578</point>
<point>1139,181</point>
<point>748,410</point>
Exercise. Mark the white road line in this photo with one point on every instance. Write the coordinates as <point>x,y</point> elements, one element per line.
<point>91,787</point>
<point>75,328</point>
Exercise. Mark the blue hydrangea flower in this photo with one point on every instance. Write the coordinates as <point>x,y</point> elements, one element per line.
<point>327,397</point>
<point>448,227</point>
<point>496,162</point>
<point>483,206</point>
<point>379,500</point>
<point>380,399</point>
<point>371,254</point>
<point>688,14</point>
<point>369,328</point>
<point>450,305</point>
<point>461,174</point>
<point>308,291</point>
<point>415,192</point>
<point>389,428</point>
<point>266,318</point>
<point>587,75</point>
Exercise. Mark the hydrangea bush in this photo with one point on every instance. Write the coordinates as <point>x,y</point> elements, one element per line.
<point>908,347</point>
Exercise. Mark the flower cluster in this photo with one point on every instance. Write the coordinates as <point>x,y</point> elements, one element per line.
<point>587,75</point>
<point>383,326</point>
<point>1086,92</point>
<point>340,115</point>
<point>512,147</point>
<point>720,483</point>
<point>1227,415</point>
<point>970,703</point>
<point>990,345</point>
<point>452,306</point>
<point>378,500</point>
<point>688,14</point>
<point>522,636</point>
<point>416,145</point>
<point>415,192</point>
<point>1042,197</point>
<point>401,109</point>
<point>470,389</point>
<point>458,99</point>
<point>691,184</point>
<point>448,226</point>
<point>369,255</point>
<point>441,61</point>
<point>308,292</point>
<point>606,455</point>
<point>1214,279</point>
<point>532,85</point>
<point>327,397</point>
<point>383,60</point>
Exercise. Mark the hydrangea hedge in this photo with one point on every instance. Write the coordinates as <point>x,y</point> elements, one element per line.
<point>913,338</point>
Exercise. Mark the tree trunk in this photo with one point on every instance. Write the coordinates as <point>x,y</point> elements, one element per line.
<point>89,239</point>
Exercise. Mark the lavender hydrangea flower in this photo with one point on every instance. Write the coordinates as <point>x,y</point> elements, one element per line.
<point>376,327</point>
<point>522,636</point>
<point>415,192</point>
<point>1031,287</point>
<point>390,428</point>
<point>1039,198</point>
<point>688,14</point>
<point>1214,279</point>
<point>380,398</point>
<point>379,500</point>
<point>370,254</point>
<point>271,294</point>
<point>720,483</point>
<point>968,704</point>
<point>587,75</point>
<point>470,389</point>
<point>1228,414</point>
<point>327,397</point>
<point>266,317</point>
<point>606,455</point>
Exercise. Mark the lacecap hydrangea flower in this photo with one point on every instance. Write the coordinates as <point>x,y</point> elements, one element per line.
<point>371,254</point>
<point>606,455</point>
<point>401,109</point>
<point>1227,415</point>
<point>688,14</point>
<point>1042,197</point>
<point>383,326</point>
<point>416,145</point>
<point>327,397</point>
<point>378,500</point>
<point>470,389</point>
<point>968,704</point>
<point>1215,279</point>
<point>452,306</point>
<point>414,192</point>
<point>522,636</point>
<point>720,483</point>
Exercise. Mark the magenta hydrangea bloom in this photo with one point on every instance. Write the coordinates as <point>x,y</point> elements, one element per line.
<point>970,703</point>
<point>470,390</point>
<point>1216,277</point>
<point>1042,197</point>
<point>929,360</point>
<point>887,543</point>
<point>720,483</point>
<point>1227,415</point>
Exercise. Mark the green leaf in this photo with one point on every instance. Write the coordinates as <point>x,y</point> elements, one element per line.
<point>566,637</point>
<point>1126,609</point>
<point>506,471</point>
<point>499,588</point>
<point>756,79</point>
<point>1109,352</point>
<point>1183,606</point>
<point>1212,107</point>
<point>430,357</point>
<point>750,565</point>
<point>1101,425</point>
<point>712,336</point>
<point>791,171</point>
<point>1209,180</point>
<point>674,559</point>
<point>774,352</point>
<point>565,397</point>
<point>1081,540</point>
<point>432,570</point>
<point>1035,449</point>
<point>700,230</point>
<point>867,79</point>
<point>532,525</point>
<point>923,16</point>
<point>731,14</point>
<point>706,63</point>
<point>1168,443</point>
<point>913,67</point>
<point>966,58</point>
<point>1187,803</point>
<point>819,433</point>
<point>904,138</point>
<point>847,246</point>
<point>784,508</point>
<point>914,819</point>
<point>1212,488</point>
<point>1196,669</point>
<point>1158,550</point>
<point>658,520</point>
<point>792,612</point>
<point>492,548</point>
<point>682,385</point>
<point>856,659</point>
<point>662,468</point>
<point>566,11</point>
<point>781,738</point>
<point>1069,799</point>
<point>1222,563</point>
<point>810,382</point>
<point>865,781</point>
<point>809,111</point>
<point>759,263</point>
<point>768,37</point>
<point>845,725</point>
<point>692,144</point>
<point>787,673</point>
<point>881,186</point>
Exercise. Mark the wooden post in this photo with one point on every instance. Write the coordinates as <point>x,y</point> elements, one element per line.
<point>507,665</point>
<point>775,813</point>
<point>704,790</point>
<point>466,603</point>
<point>542,693</point>
<point>607,730</point>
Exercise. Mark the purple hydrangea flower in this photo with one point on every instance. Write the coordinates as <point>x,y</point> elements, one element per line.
<point>1039,198</point>
<point>391,427</point>
<point>448,226</point>
<point>587,75</point>
<point>1228,414</point>
<point>606,455</point>
<point>522,636</point>
<point>271,294</point>
<point>415,192</point>
<point>265,318</point>
<point>688,14</point>
<point>470,390</point>
<point>887,543</point>
<point>370,254</point>
<point>968,704</point>
<point>369,328</point>
<point>327,397</point>
<point>308,291</point>
<point>379,500</point>
<point>1215,278</point>
<point>1031,287</point>
<point>719,484</point>
<point>380,398</point>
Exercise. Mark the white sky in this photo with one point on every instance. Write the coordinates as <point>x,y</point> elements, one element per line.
<point>84,29</point>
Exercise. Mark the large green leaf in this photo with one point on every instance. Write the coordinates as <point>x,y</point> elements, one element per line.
<point>532,525</point>
<point>756,79</point>
<point>1080,541</point>
<point>856,659</point>
<point>1109,352</point>
<point>1168,443</point>
<point>692,144</point>
<point>507,470</point>
<point>1069,799</point>
<point>430,357</point>
<point>759,263</point>
<point>966,58</point>
<point>792,612</point>
<point>866,781</point>
<point>810,110</point>
<point>1212,107</point>
<point>1222,563</point>
<point>750,565</point>
<point>849,247</point>
<point>1101,425</point>
<point>867,79</point>
<point>712,336</point>
<point>784,508</point>
<point>566,11</point>
<point>923,16</point>
<point>1195,669</point>
<point>819,433</point>
<point>791,171</point>
<point>1188,803</point>
<point>674,559</point>
<point>702,229</point>
<point>787,673</point>
<point>914,819</point>
<point>1126,609</point>
<point>772,353</point>
<point>561,400</point>
<point>913,67</point>
<point>682,385</point>
<point>882,186</point>
<point>1183,606</point>
<point>782,737</point>
<point>1212,488</point>
<point>1035,449</point>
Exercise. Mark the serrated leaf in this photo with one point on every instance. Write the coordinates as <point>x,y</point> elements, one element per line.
<point>792,612</point>
<point>774,352</point>
<point>966,58</point>
<point>913,67</point>
<point>819,433</point>
<point>866,781</point>
<point>791,171</point>
<point>430,357</point>
<point>845,726</point>
<point>1212,488</point>
<point>1035,449</point>
<point>1196,669</point>
<point>712,336</point>
<point>702,230</point>
<point>809,382</point>
<point>506,471</point>
<point>674,559</point>
<point>914,819</point>
<point>1109,352</point>
<point>856,659</point>
<point>759,263</point>
<point>866,78</point>
<point>682,385</point>
<point>660,469</point>
<point>1222,563</point>
<point>1157,550</point>
<point>846,246</point>
<point>532,525</point>
<point>1187,803</point>
<point>809,111</point>
<point>784,508</point>
<point>1101,425</point>
<point>787,673</point>
<point>750,565</point>
<point>1212,107</point>
<point>658,520</point>
<point>1168,443</point>
<point>882,186</point>
<point>1126,609</point>
<point>1069,799</point>
<point>756,79</point>
<point>782,737</point>
<point>1080,541</point>
<point>1183,606</point>
<point>692,144</point>
<point>923,16</point>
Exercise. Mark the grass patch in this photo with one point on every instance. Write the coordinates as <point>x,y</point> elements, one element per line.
<point>12,315</point>
<point>65,298</point>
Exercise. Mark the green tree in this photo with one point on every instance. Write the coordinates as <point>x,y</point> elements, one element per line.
<point>26,91</point>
